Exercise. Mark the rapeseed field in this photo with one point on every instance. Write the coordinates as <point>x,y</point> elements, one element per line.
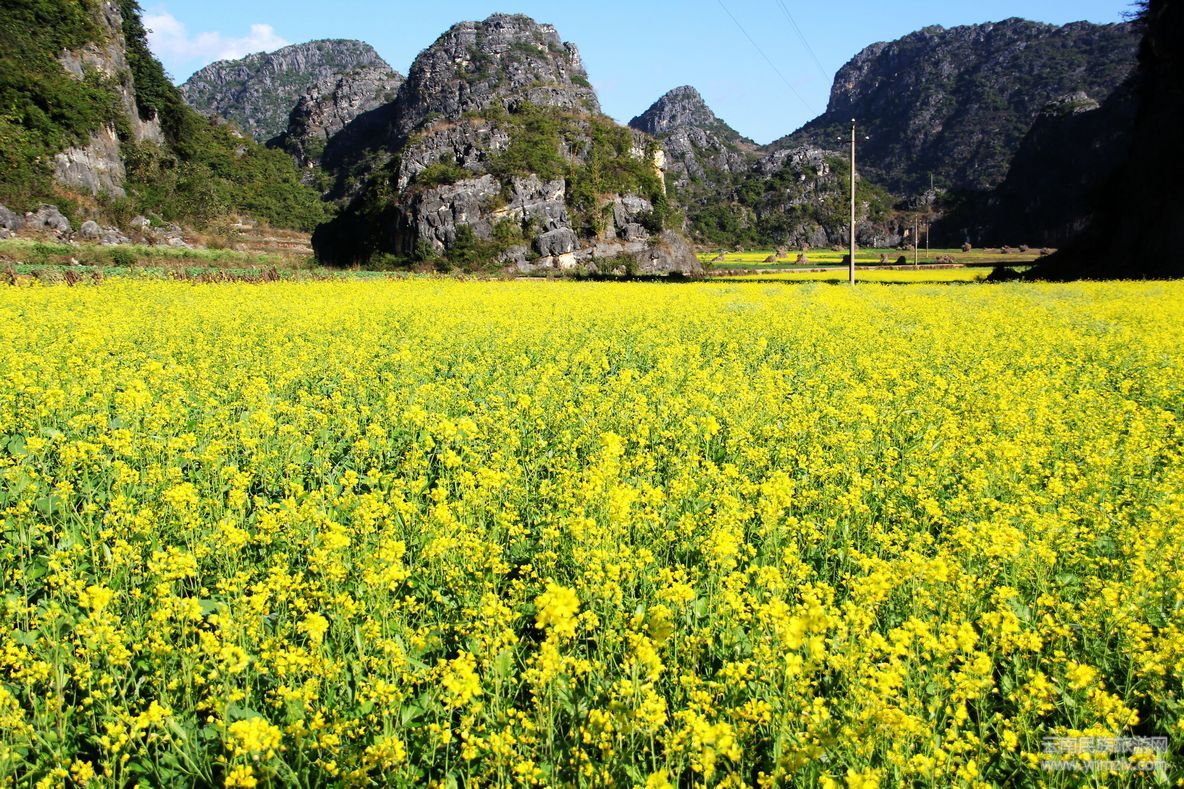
<point>573,534</point>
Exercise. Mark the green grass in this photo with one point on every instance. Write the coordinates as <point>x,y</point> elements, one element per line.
<point>24,252</point>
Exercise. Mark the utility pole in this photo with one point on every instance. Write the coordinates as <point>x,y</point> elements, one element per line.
<point>852,201</point>
<point>930,199</point>
<point>916,240</point>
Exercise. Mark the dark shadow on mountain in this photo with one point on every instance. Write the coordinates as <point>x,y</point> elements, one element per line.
<point>359,149</point>
<point>1135,232</point>
<point>1062,170</point>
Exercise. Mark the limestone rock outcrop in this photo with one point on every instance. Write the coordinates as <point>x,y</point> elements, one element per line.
<point>496,151</point>
<point>258,92</point>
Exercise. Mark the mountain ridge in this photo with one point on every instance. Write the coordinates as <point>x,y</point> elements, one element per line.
<point>955,103</point>
<point>259,91</point>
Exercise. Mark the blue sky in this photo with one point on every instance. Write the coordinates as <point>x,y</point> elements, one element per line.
<point>634,51</point>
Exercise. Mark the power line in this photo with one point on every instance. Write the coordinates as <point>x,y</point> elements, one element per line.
<point>772,65</point>
<point>805,41</point>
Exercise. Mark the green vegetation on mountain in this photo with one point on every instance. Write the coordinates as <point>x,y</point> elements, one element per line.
<point>222,175</point>
<point>196,173</point>
<point>736,194</point>
<point>770,209</point>
<point>495,154</point>
<point>539,136</point>
<point>43,109</point>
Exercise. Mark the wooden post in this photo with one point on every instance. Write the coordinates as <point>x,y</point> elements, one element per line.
<point>852,271</point>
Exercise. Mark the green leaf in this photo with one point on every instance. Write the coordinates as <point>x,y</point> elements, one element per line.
<point>36,572</point>
<point>17,448</point>
<point>49,505</point>
<point>25,639</point>
<point>236,712</point>
<point>503,664</point>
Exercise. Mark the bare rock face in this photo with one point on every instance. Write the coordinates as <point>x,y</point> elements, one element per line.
<point>507,59</point>
<point>107,236</point>
<point>956,103</point>
<point>536,203</point>
<point>432,216</point>
<point>681,108</point>
<point>97,168</point>
<point>108,56</point>
<point>332,104</point>
<point>259,91</point>
<point>696,154</point>
<point>486,159</point>
<point>803,161</point>
<point>468,144</point>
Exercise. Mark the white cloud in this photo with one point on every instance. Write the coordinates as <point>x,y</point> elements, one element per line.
<point>170,40</point>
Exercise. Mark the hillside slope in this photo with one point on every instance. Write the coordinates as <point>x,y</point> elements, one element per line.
<point>1137,219</point>
<point>1063,165</point>
<point>92,124</point>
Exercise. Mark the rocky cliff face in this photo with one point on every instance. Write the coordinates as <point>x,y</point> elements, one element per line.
<point>331,105</point>
<point>956,103</point>
<point>506,60</point>
<point>735,192</point>
<point>259,91</point>
<point>496,149</point>
<point>97,167</point>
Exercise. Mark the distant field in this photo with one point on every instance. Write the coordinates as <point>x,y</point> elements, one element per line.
<point>887,276</point>
<point>822,257</point>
